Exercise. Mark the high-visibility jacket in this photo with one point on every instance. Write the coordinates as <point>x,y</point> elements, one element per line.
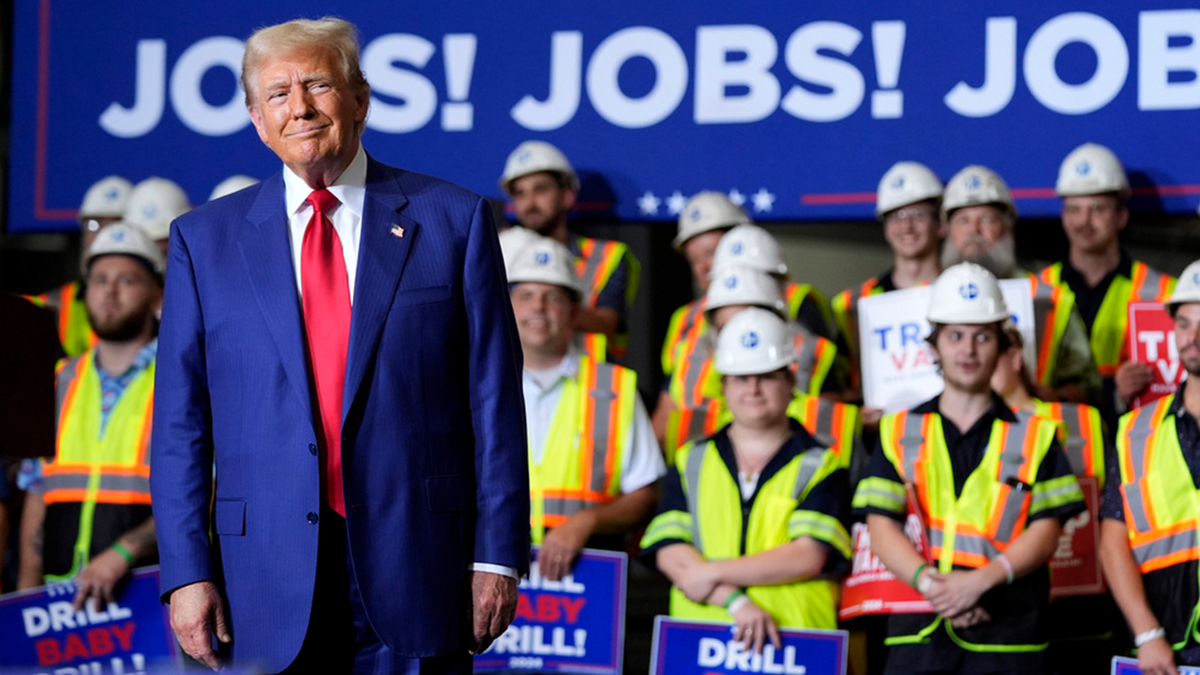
<point>1162,515</point>
<point>718,526</point>
<point>98,486</point>
<point>969,530</point>
<point>598,259</point>
<point>1109,336</point>
<point>845,315</point>
<point>1081,434</point>
<point>696,381</point>
<point>795,293</point>
<point>584,448</point>
<point>837,426</point>
<point>686,327</point>
<point>74,330</point>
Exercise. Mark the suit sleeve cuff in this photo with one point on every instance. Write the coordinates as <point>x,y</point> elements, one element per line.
<point>496,569</point>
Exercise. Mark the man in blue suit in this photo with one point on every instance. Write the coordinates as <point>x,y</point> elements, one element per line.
<point>339,342</point>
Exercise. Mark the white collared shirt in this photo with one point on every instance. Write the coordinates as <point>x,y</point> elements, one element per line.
<point>350,188</point>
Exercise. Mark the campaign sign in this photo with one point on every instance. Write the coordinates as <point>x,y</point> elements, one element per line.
<point>1153,342</point>
<point>871,588</point>
<point>898,368</point>
<point>1122,665</point>
<point>709,648</point>
<point>573,625</point>
<point>1075,565</point>
<point>43,634</point>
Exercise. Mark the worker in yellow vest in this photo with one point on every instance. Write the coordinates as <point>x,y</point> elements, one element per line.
<point>981,218</point>
<point>103,204</point>
<point>752,523</point>
<point>87,518</point>
<point>907,203</point>
<point>594,465</point>
<point>1100,273</point>
<point>1150,511</point>
<point>991,489</point>
<point>543,187</point>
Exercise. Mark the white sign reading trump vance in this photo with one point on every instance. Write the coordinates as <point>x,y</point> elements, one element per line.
<point>898,368</point>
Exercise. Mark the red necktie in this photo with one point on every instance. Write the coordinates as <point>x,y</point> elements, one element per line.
<point>326,296</point>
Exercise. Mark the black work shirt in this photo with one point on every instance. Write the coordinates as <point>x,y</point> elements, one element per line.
<point>1089,298</point>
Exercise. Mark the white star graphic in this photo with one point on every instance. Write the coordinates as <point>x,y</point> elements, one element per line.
<point>737,197</point>
<point>676,202</point>
<point>763,200</point>
<point>648,203</point>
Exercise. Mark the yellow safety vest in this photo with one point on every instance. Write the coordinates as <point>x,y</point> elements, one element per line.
<point>1162,514</point>
<point>973,528</point>
<point>1052,306</point>
<point>1081,434</point>
<point>686,326</point>
<point>713,525</point>
<point>584,451</point>
<point>74,330</point>
<point>838,426</point>
<point>845,315</point>
<point>91,468</point>
<point>597,261</point>
<point>1110,330</point>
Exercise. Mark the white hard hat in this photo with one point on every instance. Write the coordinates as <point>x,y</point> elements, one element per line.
<point>153,204</point>
<point>1187,289</point>
<point>977,185</point>
<point>744,286</point>
<point>535,157</point>
<point>105,198</point>
<point>1091,169</point>
<point>513,240</point>
<point>749,246</point>
<point>754,342</point>
<point>231,185</point>
<point>706,212</point>
<point>124,239</point>
<point>545,261</point>
<point>966,293</point>
<point>903,184</point>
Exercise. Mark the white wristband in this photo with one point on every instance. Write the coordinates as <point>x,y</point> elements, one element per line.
<point>738,603</point>
<point>1149,636</point>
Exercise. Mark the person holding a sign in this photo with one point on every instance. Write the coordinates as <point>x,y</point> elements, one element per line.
<point>991,489</point>
<point>89,520</point>
<point>1151,516</point>
<point>752,523</point>
<point>594,464</point>
<point>907,203</point>
<point>543,186</point>
<point>981,217</point>
<point>1100,273</point>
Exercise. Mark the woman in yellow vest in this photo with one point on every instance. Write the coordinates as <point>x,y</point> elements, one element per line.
<point>991,491</point>
<point>751,527</point>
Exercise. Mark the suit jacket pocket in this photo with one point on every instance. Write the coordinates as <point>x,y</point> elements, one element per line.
<point>422,296</point>
<point>229,517</point>
<point>450,493</point>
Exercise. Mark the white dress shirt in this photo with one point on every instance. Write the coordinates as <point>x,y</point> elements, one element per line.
<point>350,188</point>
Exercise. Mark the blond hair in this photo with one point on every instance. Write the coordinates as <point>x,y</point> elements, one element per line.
<point>303,34</point>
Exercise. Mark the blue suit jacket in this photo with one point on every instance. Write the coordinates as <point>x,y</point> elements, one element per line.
<point>433,450</point>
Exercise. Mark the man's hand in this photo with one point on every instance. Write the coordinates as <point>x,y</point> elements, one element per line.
<point>1156,658</point>
<point>1132,379</point>
<point>753,626</point>
<point>493,606</point>
<point>198,613</point>
<point>698,581</point>
<point>972,617</point>
<point>100,578</point>
<point>956,592</point>
<point>562,545</point>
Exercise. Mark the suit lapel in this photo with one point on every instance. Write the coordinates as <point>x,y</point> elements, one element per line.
<point>266,252</point>
<point>382,254</point>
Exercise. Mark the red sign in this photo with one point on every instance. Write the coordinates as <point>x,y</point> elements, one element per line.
<point>1153,339</point>
<point>1075,565</point>
<point>871,588</point>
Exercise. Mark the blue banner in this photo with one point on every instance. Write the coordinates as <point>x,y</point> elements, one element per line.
<point>1126,666</point>
<point>705,648</point>
<point>573,625</point>
<point>794,110</point>
<point>43,634</point>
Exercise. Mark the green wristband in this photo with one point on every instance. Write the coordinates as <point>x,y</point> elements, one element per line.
<point>917,574</point>
<point>123,552</point>
<point>733,596</point>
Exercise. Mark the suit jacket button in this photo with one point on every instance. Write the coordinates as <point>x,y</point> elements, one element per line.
<point>312,448</point>
<point>312,518</point>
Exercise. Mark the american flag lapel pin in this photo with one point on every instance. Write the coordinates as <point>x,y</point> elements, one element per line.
<point>398,231</point>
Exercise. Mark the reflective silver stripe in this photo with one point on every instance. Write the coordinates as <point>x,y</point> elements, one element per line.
<point>1076,444</point>
<point>1136,501</point>
<point>1175,543</point>
<point>695,461</point>
<point>1050,496</point>
<point>108,483</point>
<point>563,506</point>
<point>806,358</point>
<point>823,429</point>
<point>964,543</point>
<point>1138,433</point>
<point>877,497</point>
<point>810,463</point>
<point>1012,460</point>
<point>1148,292</point>
<point>604,400</point>
<point>65,377</point>
<point>911,440</point>
<point>591,269</point>
<point>700,355</point>
<point>68,481</point>
<point>1043,304</point>
<point>696,428</point>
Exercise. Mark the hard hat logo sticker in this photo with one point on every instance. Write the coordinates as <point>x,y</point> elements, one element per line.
<point>898,183</point>
<point>1083,168</point>
<point>731,283</point>
<point>750,340</point>
<point>736,249</point>
<point>969,291</point>
<point>111,195</point>
<point>118,236</point>
<point>542,258</point>
<point>973,183</point>
<point>695,214</point>
<point>525,157</point>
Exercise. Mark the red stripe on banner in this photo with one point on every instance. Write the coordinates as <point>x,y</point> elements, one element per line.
<point>838,198</point>
<point>832,199</point>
